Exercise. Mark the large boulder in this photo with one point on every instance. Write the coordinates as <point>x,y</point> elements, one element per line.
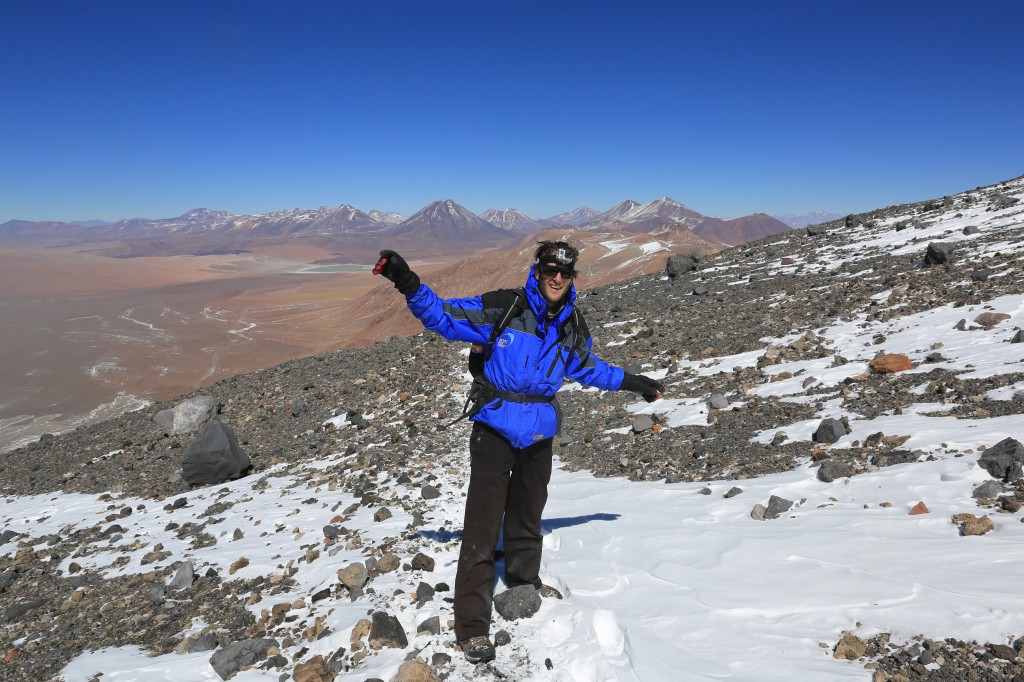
<point>186,416</point>
<point>1004,460</point>
<point>829,431</point>
<point>232,658</point>
<point>387,632</point>
<point>830,470</point>
<point>939,253</point>
<point>680,264</point>
<point>214,457</point>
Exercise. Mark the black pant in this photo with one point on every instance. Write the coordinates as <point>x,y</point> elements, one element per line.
<point>503,481</point>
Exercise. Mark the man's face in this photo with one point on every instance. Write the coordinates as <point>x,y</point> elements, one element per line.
<point>553,282</point>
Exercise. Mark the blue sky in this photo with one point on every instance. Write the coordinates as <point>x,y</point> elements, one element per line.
<point>120,109</point>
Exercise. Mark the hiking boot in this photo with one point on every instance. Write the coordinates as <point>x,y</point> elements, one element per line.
<point>477,649</point>
<point>548,591</point>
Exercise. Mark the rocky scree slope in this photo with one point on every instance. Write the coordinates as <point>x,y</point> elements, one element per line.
<point>368,422</point>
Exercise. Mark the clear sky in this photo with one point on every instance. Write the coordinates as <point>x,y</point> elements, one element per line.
<point>120,109</point>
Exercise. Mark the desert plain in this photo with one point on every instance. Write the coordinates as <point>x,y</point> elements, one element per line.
<point>83,336</point>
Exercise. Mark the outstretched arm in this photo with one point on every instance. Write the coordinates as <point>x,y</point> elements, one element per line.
<point>455,319</point>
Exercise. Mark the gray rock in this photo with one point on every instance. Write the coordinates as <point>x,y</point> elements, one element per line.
<point>979,276</point>
<point>779,438</point>
<point>429,492</point>
<point>1004,460</point>
<point>186,416</point>
<point>939,253</point>
<point>298,407</point>
<point>885,459</point>
<point>970,229</point>
<point>206,642</point>
<point>1002,201</point>
<point>518,602</point>
<point>331,531</point>
<point>353,576</point>
<point>733,492</point>
<point>7,579</point>
<point>777,506</point>
<point>816,230</point>
<point>424,593</point>
<point>680,264</point>
<point>279,661</point>
<point>386,631</point>
<point>718,401</point>
<point>758,512</point>
<point>16,611</point>
<point>502,638</point>
<point>183,577</point>
<point>431,626</point>
<point>700,291</point>
<point>6,536</point>
<point>641,423</point>
<point>829,431</point>
<point>989,490</point>
<point>214,457</point>
<point>961,325</point>
<point>232,658</point>
<point>830,470</point>
<point>1017,338</point>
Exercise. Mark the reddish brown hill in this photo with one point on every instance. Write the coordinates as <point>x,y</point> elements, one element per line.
<point>740,230</point>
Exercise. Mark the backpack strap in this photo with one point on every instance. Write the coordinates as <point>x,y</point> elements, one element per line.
<point>570,332</point>
<point>513,310</point>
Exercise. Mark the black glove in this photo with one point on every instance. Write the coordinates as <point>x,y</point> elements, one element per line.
<point>650,389</point>
<point>394,267</point>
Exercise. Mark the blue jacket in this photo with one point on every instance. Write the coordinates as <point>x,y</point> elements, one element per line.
<point>532,356</point>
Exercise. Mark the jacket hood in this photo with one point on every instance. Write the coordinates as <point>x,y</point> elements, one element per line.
<point>539,304</point>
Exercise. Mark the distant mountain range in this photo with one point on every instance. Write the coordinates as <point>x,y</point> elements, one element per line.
<point>812,218</point>
<point>442,226</point>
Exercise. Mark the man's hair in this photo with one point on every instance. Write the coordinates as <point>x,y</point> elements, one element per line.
<point>566,254</point>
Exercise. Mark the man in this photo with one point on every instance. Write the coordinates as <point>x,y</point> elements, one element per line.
<point>516,417</point>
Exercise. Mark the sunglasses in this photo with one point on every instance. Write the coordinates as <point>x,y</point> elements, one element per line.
<point>549,272</point>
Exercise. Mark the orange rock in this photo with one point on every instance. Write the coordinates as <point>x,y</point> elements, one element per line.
<point>989,320</point>
<point>338,519</point>
<point>919,508</point>
<point>887,364</point>
<point>12,654</point>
